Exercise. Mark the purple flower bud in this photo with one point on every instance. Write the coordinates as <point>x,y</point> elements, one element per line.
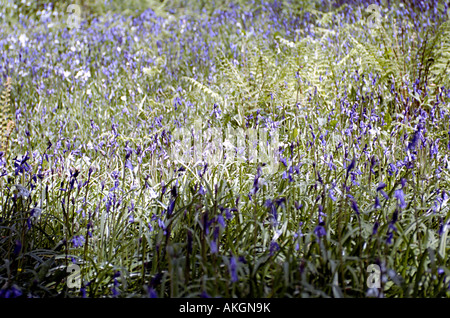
<point>375,228</point>
<point>233,269</point>
<point>390,237</point>
<point>274,247</point>
<point>17,248</point>
<point>78,241</point>
<point>400,196</point>
<point>320,231</point>
<point>351,166</point>
<point>377,204</point>
<point>385,195</point>
<point>355,207</point>
<point>381,186</point>
<point>129,165</point>
<point>221,220</point>
<point>403,182</point>
<point>151,292</point>
<point>213,246</point>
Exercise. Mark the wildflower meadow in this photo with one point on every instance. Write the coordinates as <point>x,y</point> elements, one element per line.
<point>233,149</point>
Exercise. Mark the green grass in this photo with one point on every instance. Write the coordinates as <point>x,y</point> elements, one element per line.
<point>103,152</point>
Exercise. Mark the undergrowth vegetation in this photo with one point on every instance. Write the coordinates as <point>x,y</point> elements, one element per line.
<point>353,118</point>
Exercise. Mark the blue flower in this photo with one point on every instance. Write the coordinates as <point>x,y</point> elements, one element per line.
<point>83,292</point>
<point>115,290</point>
<point>320,231</point>
<point>78,241</point>
<point>351,166</point>
<point>17,248</point>
<point>11,292</point>
<point>381,186</point>
<point>400,196</point>
<point>274,247</point>
<point>21,164</point>
<point>375,228</point>
<point>204,294</point>
<point>129,165</point>
<point>151,292</point>
<point>390,237</point>
<point>377,204</point>
<point>213,246</point>
<point>233,269</point>
<point>414,140</point>
<point>355,207</point>
<point>170,207</point>
<point>331,195</point>
<point>221,220</point>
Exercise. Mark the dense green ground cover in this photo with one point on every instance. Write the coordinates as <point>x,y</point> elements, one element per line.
<point>240,149</point>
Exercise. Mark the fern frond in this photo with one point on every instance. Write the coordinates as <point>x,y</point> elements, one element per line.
<point>4,114</point>
<point>203,88</point>
<point>441,57</point>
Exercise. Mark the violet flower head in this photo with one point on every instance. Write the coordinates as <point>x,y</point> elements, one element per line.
<point>414,140</point>
<point>17,247</point>
<point>170,208</point>
<point>377,204</point>
<point>274,247</point>
<point>11,292</point>
<point>213,247</point>
<point>233,269</point>
<point>381,186</point>
<point>20,164</point>
<point>375,228</point>
<point>78,241</point>
<point>351,166</point>
<point>355,207</point>
<point>320,230</point>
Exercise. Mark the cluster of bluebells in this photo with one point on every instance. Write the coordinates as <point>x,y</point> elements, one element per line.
<point>351,140</point>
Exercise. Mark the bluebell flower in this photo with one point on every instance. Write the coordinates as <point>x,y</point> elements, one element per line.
<point>115,289</point>
<point>204,294</point>
<point>21,165</point>
<point>377,204</point>
<point>320,230</point>
<point>17,247</point>
<point>78,241</point>
<point>272,210</point>
<point>151,292</point>
<point>403,182</point>
<point>414,140</point>
<point>171,207</point>
<point>390,237</point>
<point>227,211</point>
<point>283,160</point>
<point>442,227</point>
<point>375,228</point>
<point>221,220</point>
<point>384,194</point>
<point>83,291</point>
<point>11,292</point>
<point>129,165</point>
<point>355,207</point>
<point>319,178</point>
<point>213,247</point>
<point>351,166</point>
<point>400,196</point>
<point>381,186</point>
<point>233,269</point>
<point>274,247</point>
